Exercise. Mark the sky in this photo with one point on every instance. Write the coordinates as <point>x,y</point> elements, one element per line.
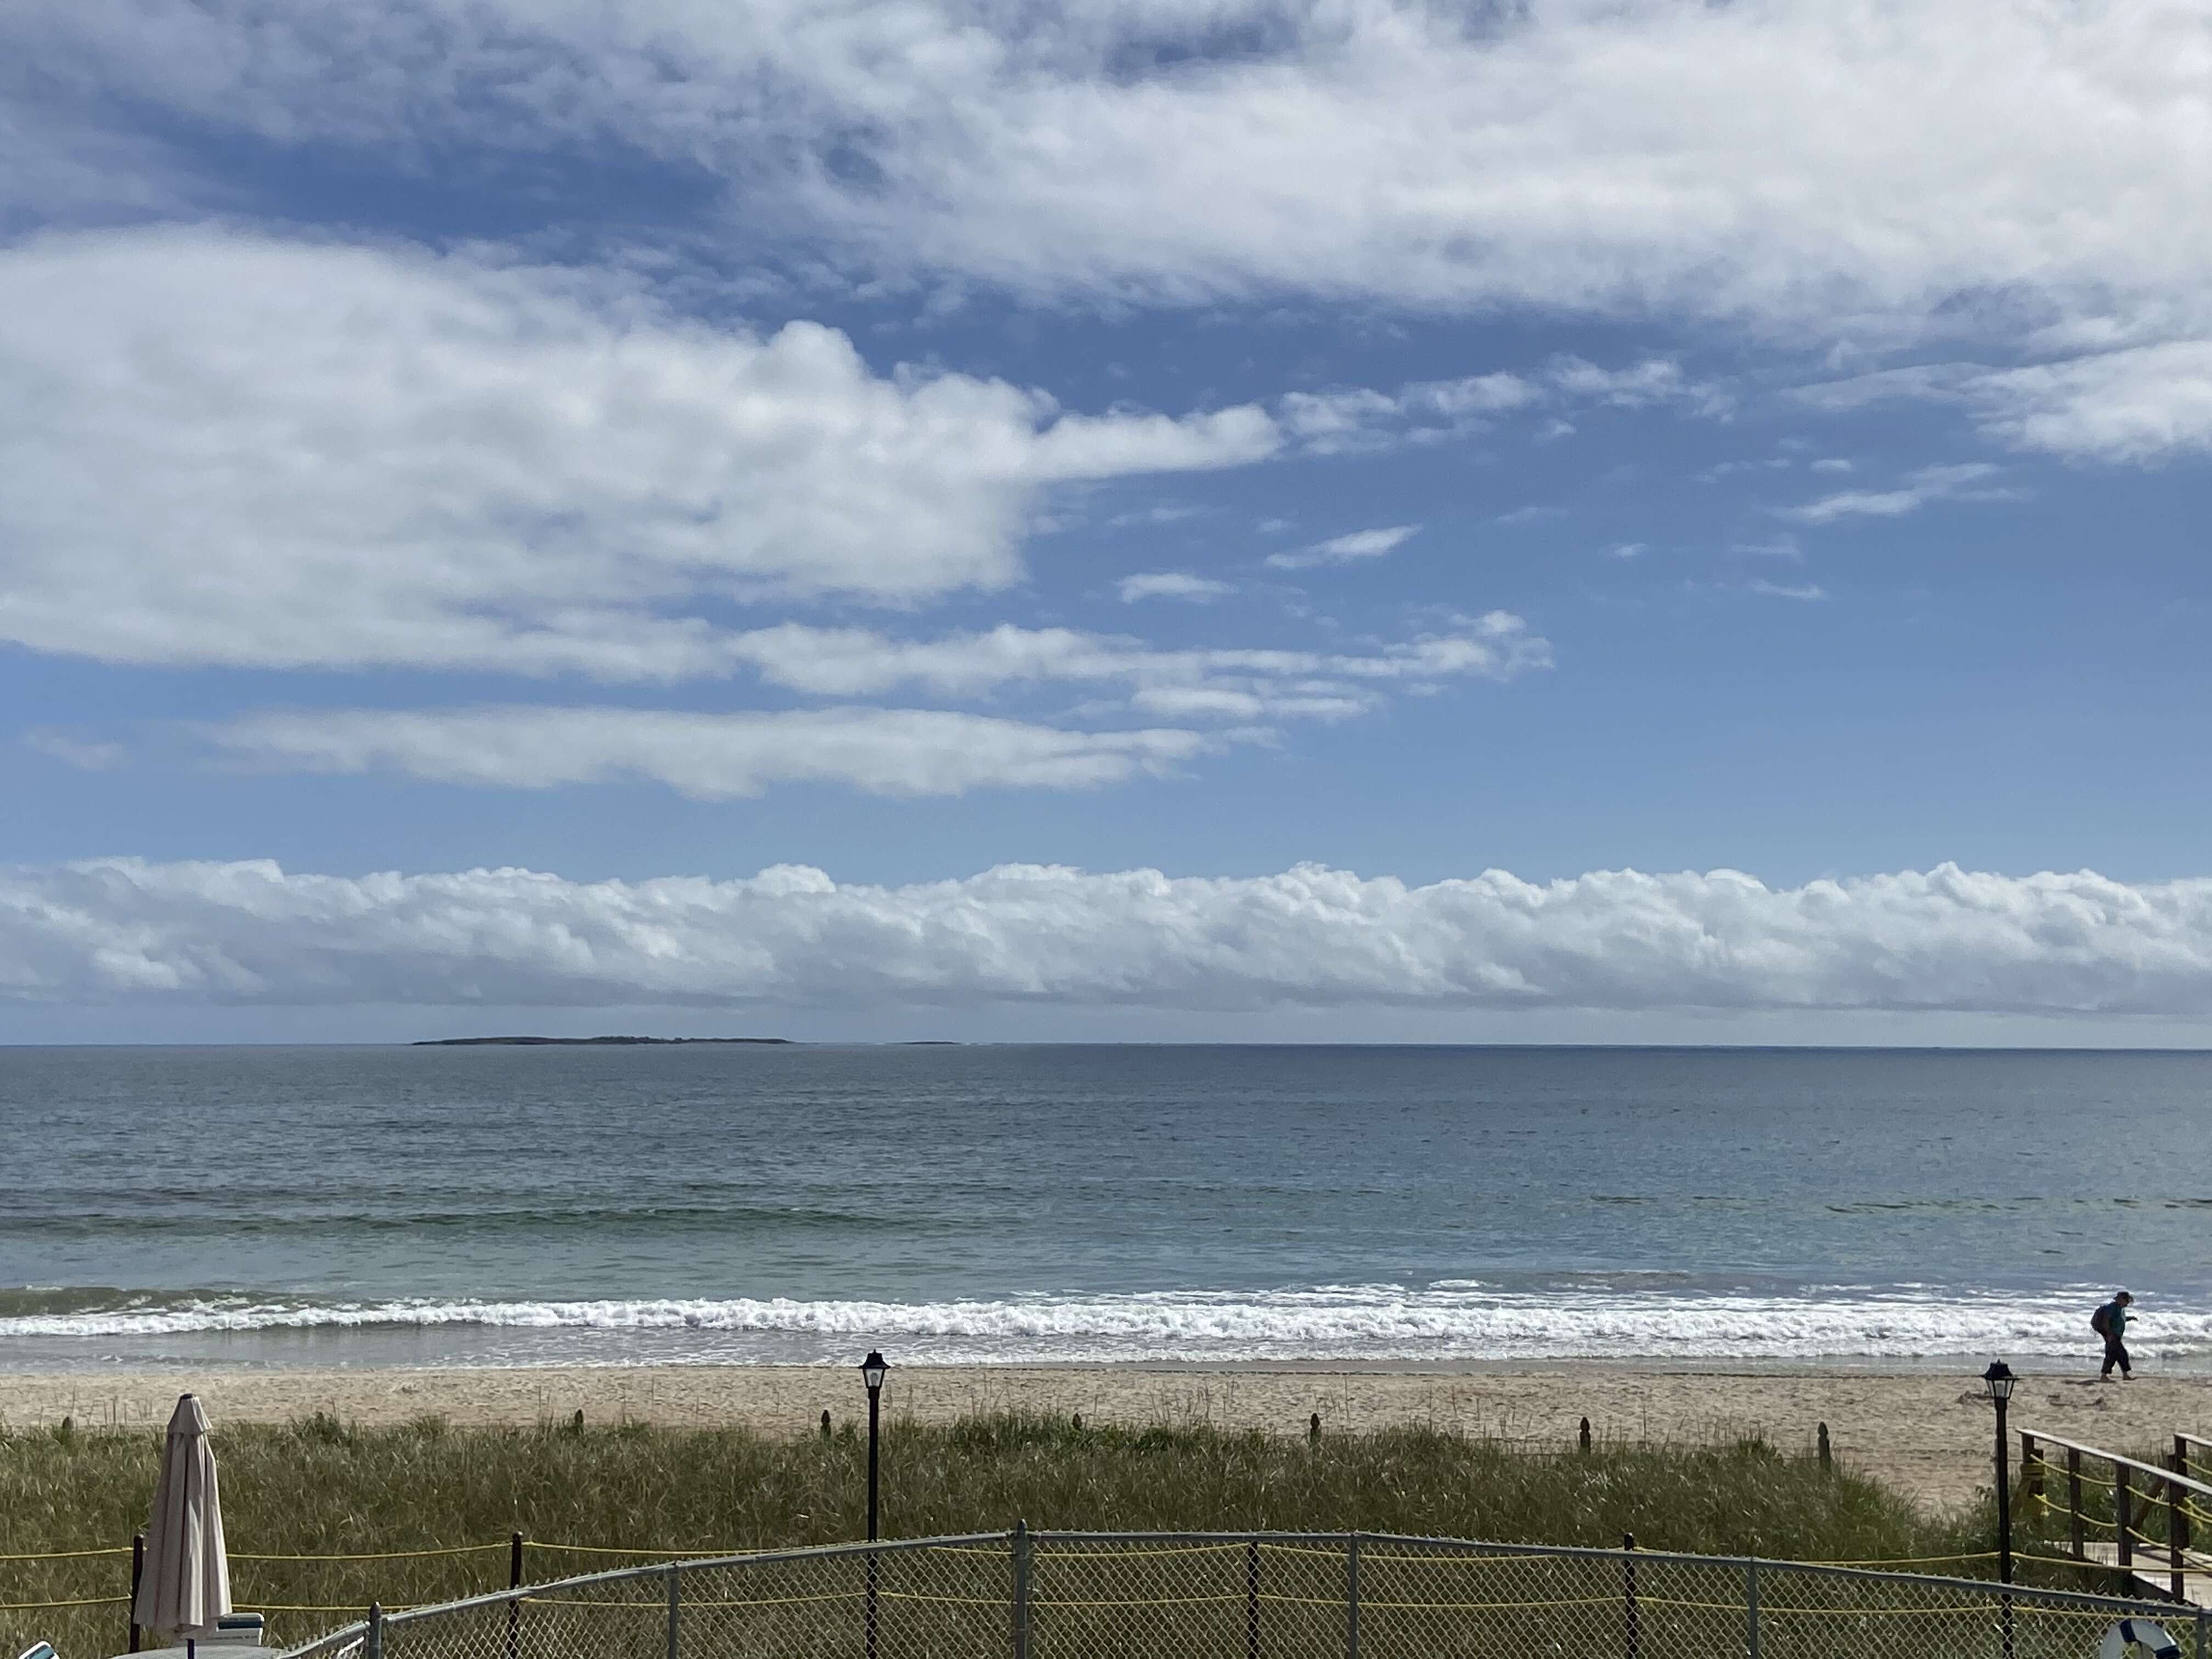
<point>1222,520</point>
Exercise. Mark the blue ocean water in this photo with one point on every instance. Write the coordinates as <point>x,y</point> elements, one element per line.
<point>383,1205</point>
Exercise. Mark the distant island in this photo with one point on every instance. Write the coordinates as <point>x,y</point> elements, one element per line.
<point>574,1042</point>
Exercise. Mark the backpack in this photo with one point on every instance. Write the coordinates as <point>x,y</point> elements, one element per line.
<point>2100,1321</point>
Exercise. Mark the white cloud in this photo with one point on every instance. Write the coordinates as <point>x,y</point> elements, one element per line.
<point>1926,484</point>
<point>1806,593</point>
<point>221,448</point>
<point>123,930</point>
<point>1785,158</point>
<point>881,751</point>
<point>1354,420</point>
<point>1348,549</point>
<point>1784,546</point>
<point>2145,404</point>
<point>1171,585</point>
<point>1628,550</point>
<point>1832,463</point>
<point>847,662</point>
<point>884,751</point>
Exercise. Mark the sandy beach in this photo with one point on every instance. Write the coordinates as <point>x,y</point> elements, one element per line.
<point>1927,1434</point>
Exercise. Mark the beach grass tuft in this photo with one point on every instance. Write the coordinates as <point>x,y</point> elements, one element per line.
<point>321,1486</point>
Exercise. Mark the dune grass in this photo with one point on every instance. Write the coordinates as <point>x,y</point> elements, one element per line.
<point>321,1487</point>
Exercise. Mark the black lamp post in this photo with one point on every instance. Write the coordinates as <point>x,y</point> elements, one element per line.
<point>1999,1380</point>
<point>871,1373</point>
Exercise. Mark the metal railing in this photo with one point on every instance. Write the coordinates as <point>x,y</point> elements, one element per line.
<point>2146,1517</point>
<point>1027,1594</point>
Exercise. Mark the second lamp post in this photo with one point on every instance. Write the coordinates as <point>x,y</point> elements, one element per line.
<point>1999,1379</point>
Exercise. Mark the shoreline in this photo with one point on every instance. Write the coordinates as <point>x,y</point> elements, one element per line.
<point>1925,1433</point>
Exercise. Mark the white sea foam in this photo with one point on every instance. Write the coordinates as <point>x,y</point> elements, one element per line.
<point>1450,1321</point>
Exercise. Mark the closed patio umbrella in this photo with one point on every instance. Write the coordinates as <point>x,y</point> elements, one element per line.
<point>186,1586</point>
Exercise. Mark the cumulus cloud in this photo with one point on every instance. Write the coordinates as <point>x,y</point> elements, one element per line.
<point>227,448</point>
<point>115,931</point>
<point>1171,585</point>
<point>1925,485</point>
<point>884,751</point>
<point>1350,549</point>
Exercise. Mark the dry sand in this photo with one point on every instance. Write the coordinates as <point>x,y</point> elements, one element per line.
<point>1928,1434</point>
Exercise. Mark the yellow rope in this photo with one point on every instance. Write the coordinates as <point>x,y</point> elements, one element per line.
<point>1900,1560</point>
<point>66,1555</point>
<point>1128,1555</point>
<point>33,1606</point>
<point>385,1555</point>
<point>1148,1601</point>
<point>1489,1607</point>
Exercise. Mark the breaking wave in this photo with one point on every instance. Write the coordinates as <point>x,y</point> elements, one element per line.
<point>1449,1320</point>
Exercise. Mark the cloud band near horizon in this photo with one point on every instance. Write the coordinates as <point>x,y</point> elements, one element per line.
<point>251,933</point>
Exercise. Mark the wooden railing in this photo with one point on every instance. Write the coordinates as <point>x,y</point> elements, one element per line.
<point>2139,1490</point>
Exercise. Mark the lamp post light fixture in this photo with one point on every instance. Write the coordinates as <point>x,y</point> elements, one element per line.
<point>1999,1381</point>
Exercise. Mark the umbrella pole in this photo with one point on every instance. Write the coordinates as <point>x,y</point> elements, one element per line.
<point>137,1571</point>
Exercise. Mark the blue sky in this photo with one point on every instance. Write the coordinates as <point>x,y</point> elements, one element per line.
<point>664,446</point>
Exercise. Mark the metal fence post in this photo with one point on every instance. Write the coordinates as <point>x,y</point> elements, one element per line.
<point>137,1571</point>
<point>1633,1626</point>
<point>1352,1596</point>
<point>372,1643</point>
<point>1021,1589</point>
<point>1751,1607</point>
<point>514,1576</point>
<point>675,1610</point>
<point>1251,1598</point>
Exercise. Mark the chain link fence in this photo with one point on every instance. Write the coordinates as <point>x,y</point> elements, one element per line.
<point>1266,1595</point>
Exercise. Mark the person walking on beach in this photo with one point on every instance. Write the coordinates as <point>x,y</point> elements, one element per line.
<point>2110,1322</point>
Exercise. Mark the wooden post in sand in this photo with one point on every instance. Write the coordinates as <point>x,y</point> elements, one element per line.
<point>2074,1502</point>
<point>2124,1520</point>
<point>2177,1537</point>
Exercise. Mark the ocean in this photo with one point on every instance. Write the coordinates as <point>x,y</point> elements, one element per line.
<point>518,1206</point>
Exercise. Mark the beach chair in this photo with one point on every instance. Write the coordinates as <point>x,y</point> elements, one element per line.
<point>240,1629</point>
<point>36,1650</point>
